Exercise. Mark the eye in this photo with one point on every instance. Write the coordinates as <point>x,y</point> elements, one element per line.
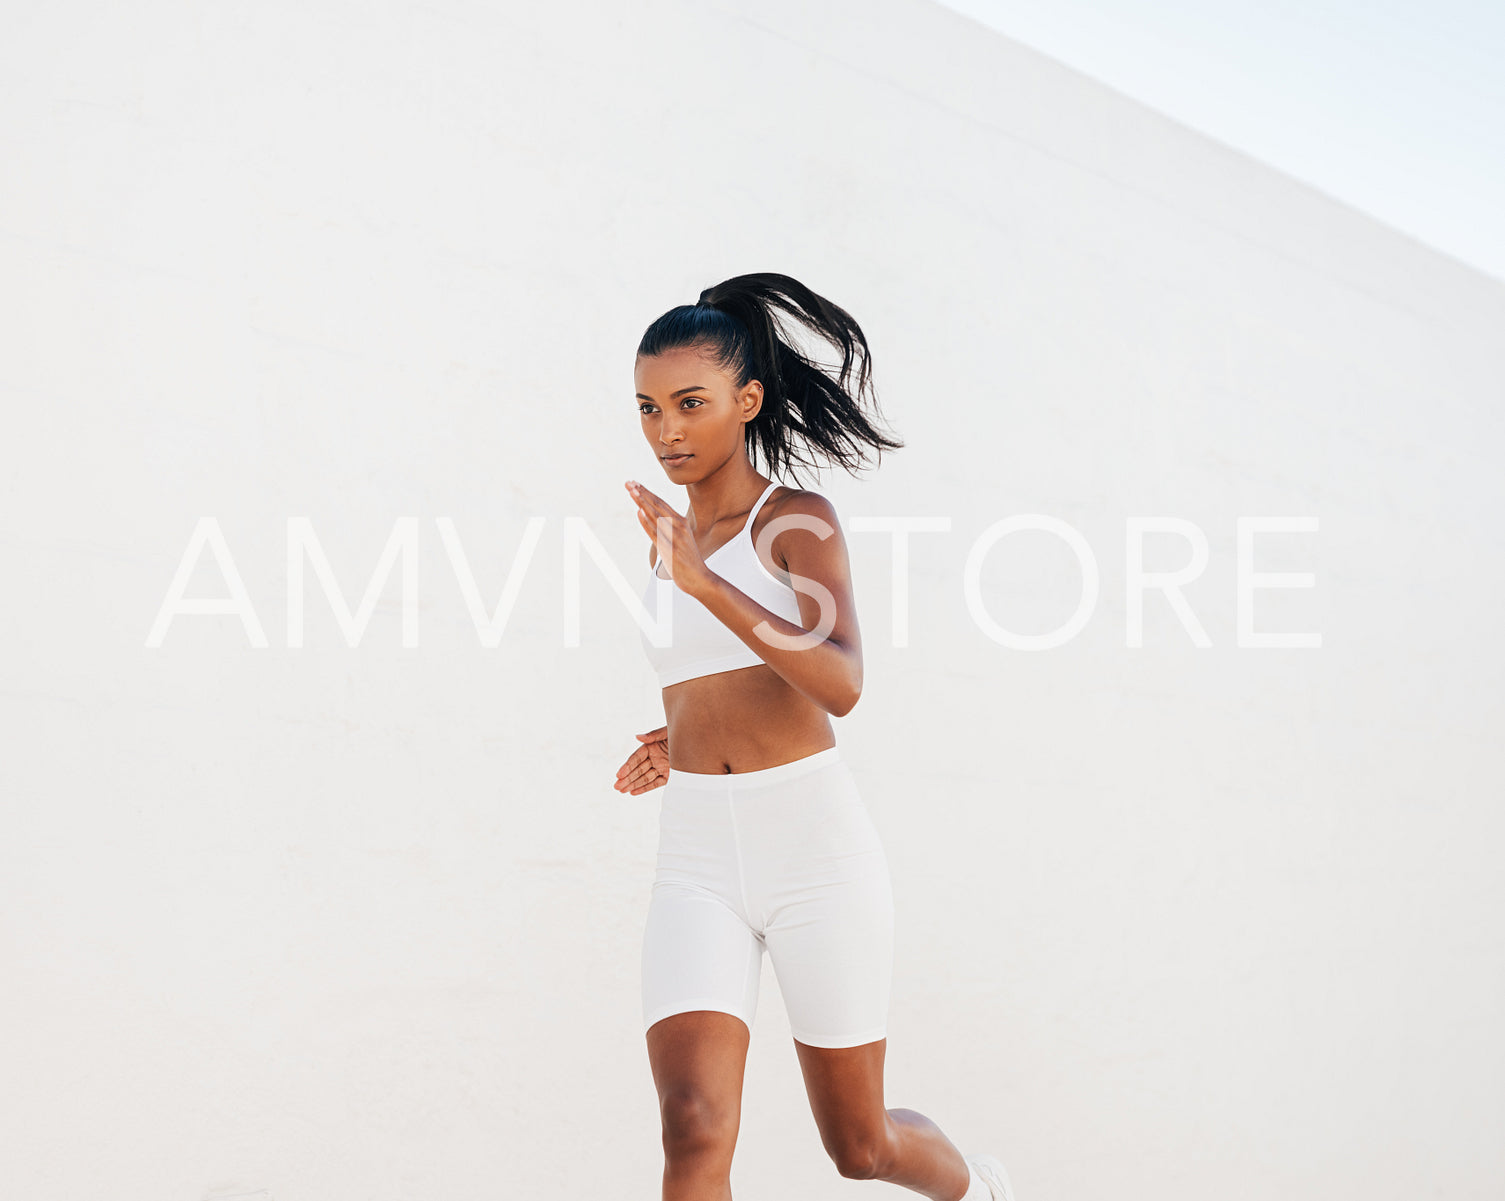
<point>646,406</point>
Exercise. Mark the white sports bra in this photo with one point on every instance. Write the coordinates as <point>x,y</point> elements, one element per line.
<point>699,645</point>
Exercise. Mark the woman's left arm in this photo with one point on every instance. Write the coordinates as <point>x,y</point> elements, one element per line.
<point>822,657</point>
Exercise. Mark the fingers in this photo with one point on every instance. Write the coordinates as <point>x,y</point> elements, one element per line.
<point>633,762</point>
<point>651,523</point>
<point>639,780</point>
<point>648,783</point>
<point>635,757</point>
<point>639,764</point>
<point>651,508</point>
<point>646,501</point>
<point>645,497</point>
<point>627,782</point>
<point>647,767</point>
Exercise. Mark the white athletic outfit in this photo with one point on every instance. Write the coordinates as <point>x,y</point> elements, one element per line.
<point>784,858</point>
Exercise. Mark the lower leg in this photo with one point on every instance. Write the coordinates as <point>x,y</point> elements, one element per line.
<point>921,1158</point>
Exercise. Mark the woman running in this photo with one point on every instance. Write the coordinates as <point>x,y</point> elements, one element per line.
<point>764,840</point>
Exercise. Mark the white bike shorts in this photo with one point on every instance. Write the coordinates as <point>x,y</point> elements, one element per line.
<point>788,859</point>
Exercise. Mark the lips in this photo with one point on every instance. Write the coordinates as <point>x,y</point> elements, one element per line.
<point>676,460</point>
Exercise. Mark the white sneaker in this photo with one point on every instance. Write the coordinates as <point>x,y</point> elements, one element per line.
<point>993,1176</point>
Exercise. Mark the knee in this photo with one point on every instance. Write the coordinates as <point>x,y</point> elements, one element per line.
<point>695,1122</point>
<point>861,1155</point>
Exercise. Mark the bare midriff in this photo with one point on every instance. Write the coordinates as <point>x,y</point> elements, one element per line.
<point>742,720</point>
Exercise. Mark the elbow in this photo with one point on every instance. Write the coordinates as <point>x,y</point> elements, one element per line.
<point>846,702</point>
<point>849,686</point>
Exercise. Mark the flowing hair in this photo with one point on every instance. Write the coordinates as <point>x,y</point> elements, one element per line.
<point>804,407</point>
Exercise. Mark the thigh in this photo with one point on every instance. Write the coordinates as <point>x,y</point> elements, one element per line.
<point>832,947</point>
<point>845,1087</point>
<point>697,954</point>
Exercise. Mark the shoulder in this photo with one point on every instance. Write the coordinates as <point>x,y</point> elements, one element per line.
<point>799,503</point>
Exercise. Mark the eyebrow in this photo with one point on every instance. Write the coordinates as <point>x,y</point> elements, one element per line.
<point>681,392</point>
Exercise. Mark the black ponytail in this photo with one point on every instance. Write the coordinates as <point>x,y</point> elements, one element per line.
<point>804,408</point>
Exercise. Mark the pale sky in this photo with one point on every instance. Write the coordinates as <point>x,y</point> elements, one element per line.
<point>1395,109</point>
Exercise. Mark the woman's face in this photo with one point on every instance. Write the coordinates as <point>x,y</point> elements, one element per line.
<point>692,413</point>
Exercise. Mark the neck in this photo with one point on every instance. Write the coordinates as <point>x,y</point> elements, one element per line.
<point>732,489</point>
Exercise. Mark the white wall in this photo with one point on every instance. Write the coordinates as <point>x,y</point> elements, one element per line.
<point>362,923</point>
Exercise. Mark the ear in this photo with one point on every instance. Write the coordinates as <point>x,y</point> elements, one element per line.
<point>752,400</point>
